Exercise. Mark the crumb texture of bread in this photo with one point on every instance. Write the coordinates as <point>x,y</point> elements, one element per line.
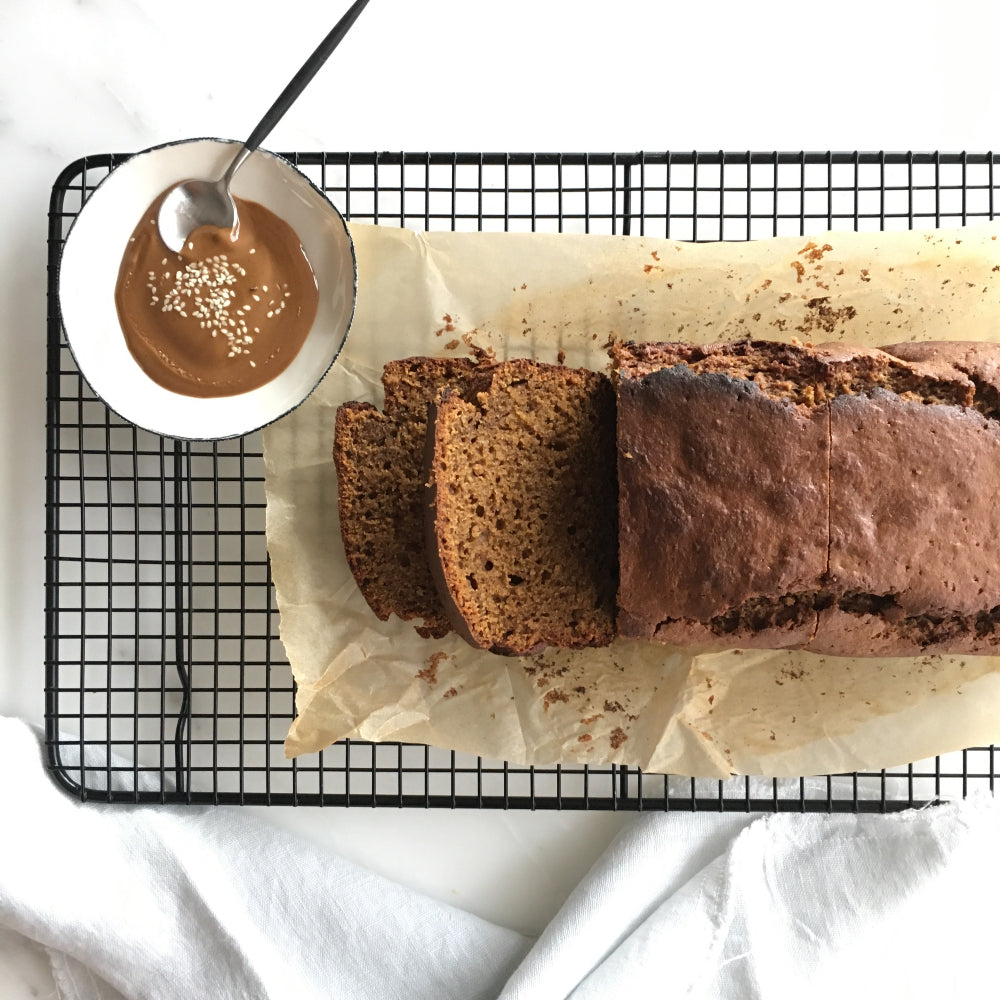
<point>380,482</point>
<point>833,498</point>
<point>522,511</point>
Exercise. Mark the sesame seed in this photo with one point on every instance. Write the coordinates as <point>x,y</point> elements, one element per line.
<point>253,364</point>
<point>203,291</point>
<point>252,250</point>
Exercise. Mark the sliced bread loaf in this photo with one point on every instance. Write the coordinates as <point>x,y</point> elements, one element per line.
<point>522,508</point>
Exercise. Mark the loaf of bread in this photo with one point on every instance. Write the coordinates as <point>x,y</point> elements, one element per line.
<point>380,484</point>
<point>522,508</point>
<point>765,495</point>
<point>836,499</point>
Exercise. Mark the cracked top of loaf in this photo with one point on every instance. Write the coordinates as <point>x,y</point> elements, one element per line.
<point>835,498</point>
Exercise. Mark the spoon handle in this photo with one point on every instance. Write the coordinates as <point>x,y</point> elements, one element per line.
<point>298,82</point>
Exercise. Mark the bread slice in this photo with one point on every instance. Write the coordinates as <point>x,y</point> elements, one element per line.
<point>380,483</point>
<point>522,508</point>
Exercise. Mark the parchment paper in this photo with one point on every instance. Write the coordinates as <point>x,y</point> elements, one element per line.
<point>743,712</point>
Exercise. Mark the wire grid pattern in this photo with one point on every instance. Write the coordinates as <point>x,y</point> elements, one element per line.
<point>166,680</point>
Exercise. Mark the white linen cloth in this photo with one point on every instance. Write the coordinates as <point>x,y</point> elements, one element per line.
<point>169,903</point>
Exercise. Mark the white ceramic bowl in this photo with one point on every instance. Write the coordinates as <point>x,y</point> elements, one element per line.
<point>89,267</point>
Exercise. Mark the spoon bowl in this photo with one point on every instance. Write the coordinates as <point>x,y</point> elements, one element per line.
<point>195,203</point>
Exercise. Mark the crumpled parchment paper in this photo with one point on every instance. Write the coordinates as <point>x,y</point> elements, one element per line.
<point>662,709</point>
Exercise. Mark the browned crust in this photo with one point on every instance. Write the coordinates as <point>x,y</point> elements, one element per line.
<point>913,468</point>
<point>710,516</point>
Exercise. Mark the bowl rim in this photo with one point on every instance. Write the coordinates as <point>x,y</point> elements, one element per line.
<point>128,157</point>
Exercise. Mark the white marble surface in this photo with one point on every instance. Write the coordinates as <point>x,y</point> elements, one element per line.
<point>83,76</point>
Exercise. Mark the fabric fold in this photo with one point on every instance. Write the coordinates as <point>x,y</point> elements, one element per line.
<point>176,901</point>
<point>157,903</point>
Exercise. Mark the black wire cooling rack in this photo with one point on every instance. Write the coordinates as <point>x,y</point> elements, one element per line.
<point>165,677</point>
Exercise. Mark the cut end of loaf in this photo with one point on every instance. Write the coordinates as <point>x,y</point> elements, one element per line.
<point>522,509</point>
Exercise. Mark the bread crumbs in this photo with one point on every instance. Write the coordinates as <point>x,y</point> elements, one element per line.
<point>429,673</point>
<point>551,697</point>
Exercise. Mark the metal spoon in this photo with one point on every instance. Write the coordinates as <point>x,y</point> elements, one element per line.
<point>194,203</point>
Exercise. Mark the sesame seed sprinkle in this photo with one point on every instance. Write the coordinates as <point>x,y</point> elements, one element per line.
<point>204,292</point>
